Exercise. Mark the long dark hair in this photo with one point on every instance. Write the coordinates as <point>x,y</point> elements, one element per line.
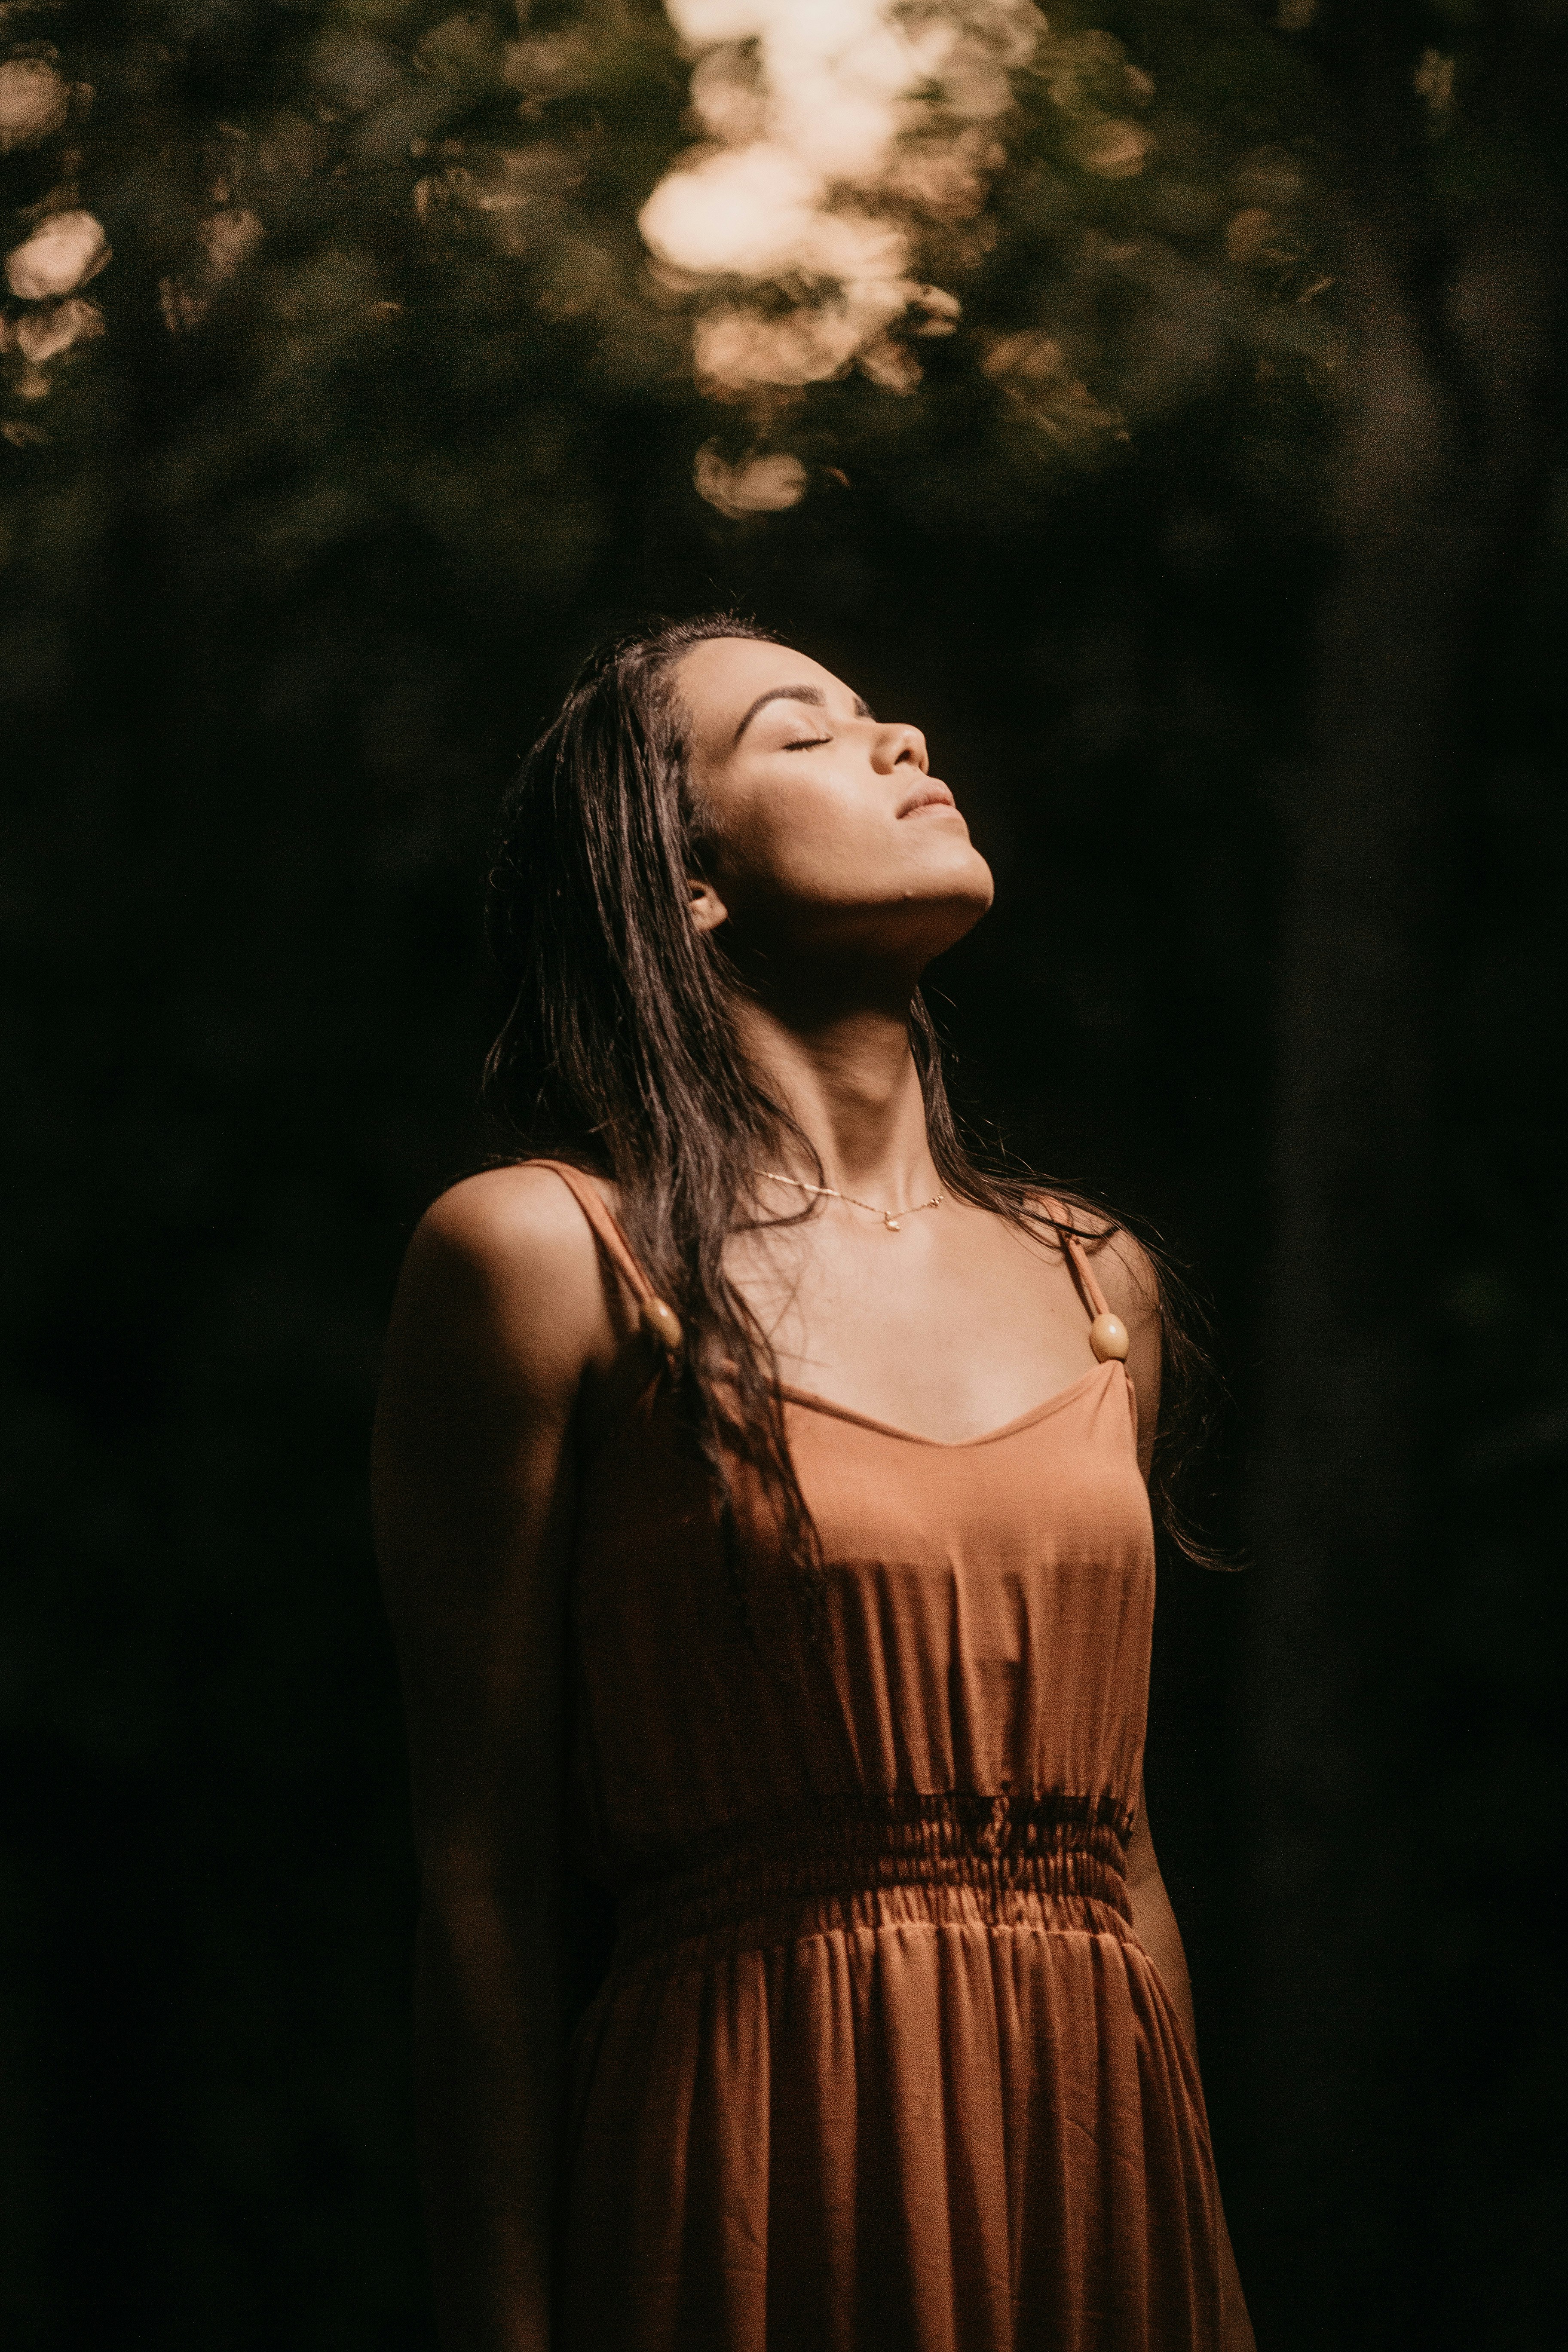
<point>621,1056</point>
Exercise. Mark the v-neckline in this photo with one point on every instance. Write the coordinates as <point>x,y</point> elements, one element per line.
<point>815,1402</point>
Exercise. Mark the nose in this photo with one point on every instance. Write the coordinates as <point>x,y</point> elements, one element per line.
<point>900,746</point>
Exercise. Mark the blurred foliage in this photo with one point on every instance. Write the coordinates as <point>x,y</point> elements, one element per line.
<point>390,418</point>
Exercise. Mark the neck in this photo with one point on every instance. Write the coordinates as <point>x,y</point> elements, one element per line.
<point>847,1076</point>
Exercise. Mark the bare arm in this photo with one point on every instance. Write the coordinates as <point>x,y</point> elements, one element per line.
<point>500,1315</point>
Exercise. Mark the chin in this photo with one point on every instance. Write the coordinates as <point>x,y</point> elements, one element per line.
<point>949,913</point>
<point>966,878</point>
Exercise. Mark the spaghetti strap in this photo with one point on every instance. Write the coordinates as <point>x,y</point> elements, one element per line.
<point>614,1243</point>
<point>1077,1256</point>
<point>1097,1300</point>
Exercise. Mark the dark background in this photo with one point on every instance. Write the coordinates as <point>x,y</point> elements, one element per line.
<point>1257,710</point>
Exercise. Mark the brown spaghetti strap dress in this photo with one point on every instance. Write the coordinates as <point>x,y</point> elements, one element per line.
<point>880,2064</point>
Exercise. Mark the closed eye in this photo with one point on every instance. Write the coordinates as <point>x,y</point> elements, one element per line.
<point>808,742</point>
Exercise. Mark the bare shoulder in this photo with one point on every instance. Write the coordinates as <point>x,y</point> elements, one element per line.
<point>1124,1270</point>
<point>506,1220</point>
<point>505,1263</point>
<point>1122,1266</point>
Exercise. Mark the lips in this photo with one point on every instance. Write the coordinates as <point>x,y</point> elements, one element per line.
<point>931,796</point>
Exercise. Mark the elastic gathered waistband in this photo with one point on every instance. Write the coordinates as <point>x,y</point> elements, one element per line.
<point>1055,1860</point>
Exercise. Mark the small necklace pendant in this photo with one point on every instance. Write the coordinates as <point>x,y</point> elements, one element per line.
<point>891,1223</point>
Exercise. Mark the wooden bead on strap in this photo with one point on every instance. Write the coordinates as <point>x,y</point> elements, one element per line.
<point>661,1323</point>
<point>1107,1337</point>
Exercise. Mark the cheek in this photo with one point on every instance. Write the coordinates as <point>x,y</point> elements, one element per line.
<point>810,839</point>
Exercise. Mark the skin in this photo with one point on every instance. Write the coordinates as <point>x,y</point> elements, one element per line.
<point>840,868</point>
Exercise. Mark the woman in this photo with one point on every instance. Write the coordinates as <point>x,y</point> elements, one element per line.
<point>760,1496</point>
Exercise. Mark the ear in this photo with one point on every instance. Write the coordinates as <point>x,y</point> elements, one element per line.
<point>708,909</point>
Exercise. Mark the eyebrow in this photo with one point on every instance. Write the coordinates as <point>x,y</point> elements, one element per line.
<point>812,694</point>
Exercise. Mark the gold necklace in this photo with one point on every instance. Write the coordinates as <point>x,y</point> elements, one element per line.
<point>889,1216</point>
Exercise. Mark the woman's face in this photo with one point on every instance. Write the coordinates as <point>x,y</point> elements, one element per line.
<point>828,833</point>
